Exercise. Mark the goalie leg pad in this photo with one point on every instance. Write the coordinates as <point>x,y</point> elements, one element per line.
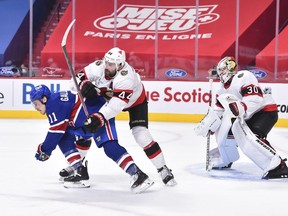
<point>227,151</point>
<point>256,150</point>
<point>224,155</point>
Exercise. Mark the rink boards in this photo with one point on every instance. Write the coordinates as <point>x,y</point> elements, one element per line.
<point>168,101</point>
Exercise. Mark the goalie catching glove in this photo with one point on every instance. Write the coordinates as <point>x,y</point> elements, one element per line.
<point>40,155</point>
<point>89,90</point>
<point>94,122</point>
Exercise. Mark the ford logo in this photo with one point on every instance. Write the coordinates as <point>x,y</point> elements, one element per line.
<point>259,74</point>
<point>175,73</point>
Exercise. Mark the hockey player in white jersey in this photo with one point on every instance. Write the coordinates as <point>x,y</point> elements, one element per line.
<point>116,80</point>
<point>243,116</point>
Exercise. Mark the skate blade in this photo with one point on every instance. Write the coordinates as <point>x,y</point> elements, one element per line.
<point>171,183</point>
<point>61,179</point>
<point>79,184</point>
<point>143,187</point>
<point>285,176</point>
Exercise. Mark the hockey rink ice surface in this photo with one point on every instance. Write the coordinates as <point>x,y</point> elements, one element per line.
<point>30,187</point>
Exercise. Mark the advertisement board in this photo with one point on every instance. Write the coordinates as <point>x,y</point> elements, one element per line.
<point>168,101</point>
<point>137,26</point>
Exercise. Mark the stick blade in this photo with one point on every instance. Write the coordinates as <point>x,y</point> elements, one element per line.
<point>64,39</point>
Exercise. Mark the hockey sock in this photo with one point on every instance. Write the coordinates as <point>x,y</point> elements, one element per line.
<point>150,147</point>
<point>154,153</point>
<point>83,146</point>
<point>74,158</point>
<point>118,154</point>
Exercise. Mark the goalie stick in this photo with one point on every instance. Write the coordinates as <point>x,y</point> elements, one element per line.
<point>63,44</point>
<point>208,167</point>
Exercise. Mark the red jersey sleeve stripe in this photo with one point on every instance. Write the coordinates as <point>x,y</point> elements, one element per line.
<point>109,131</point>
<point>270,108</point>
<point>75,109</point>
<point>60,127</point>
<point>122,94</point>
<point>251,90</point>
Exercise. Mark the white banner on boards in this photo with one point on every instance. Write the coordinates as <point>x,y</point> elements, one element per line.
<point>164,97</point>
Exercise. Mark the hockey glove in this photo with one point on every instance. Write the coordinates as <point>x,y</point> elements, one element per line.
<point>88,90</point>
<point>94,122</point>
<point>40,155</point>
<point>237,108</point>
<point>107,93</point>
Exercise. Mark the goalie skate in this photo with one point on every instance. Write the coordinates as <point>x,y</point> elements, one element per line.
<point>140,182</point>
<point>228,166</point>
<point>80,179</point>
<point>167,176</point>
<point>279,172</point>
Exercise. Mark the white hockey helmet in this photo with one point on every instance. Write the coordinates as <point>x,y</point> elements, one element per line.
<point>226,68</point>
<point>117,56</point>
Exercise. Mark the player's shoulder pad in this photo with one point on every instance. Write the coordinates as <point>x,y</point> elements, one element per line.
<point>98,62</point>
<point>243,73</point>
<point>123,72</point>
<point>127,70</point>
<point>64,95</point>
<point>93,68</point>
<point>61,96</point>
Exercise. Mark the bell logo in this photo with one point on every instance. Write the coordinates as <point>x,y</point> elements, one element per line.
<point>1,98</point>
<point>170,19</point>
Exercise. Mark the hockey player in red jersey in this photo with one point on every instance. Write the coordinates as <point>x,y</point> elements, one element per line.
<point>114,74</point>
<point>247,111</point>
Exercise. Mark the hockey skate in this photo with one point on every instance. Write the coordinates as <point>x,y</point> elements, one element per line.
<point>80,179</point>
<point>65,173</point>
<point>140,182</point>
<point>167,176</point>
<point>280,171</point>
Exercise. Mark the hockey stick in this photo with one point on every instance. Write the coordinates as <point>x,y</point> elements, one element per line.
<point>63,44</point>
<point>208,167</point>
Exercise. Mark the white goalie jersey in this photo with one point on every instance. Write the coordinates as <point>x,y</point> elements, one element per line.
<point>245,87</point>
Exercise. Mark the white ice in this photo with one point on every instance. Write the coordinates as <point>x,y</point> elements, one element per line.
<point>30,187</point>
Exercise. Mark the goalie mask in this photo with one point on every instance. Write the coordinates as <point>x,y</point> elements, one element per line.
<point>226,69</point>
<point>39,92</point>
<point>116,56</point>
